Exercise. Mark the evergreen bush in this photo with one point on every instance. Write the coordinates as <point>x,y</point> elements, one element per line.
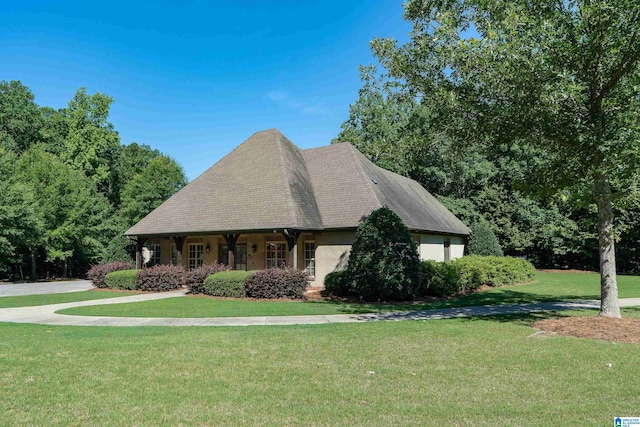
<point>226,284</point>
<point>335,283</point>
<point>483,241</point>
<point>97,273</point>
<point>384,262</point>
<point>194,279</point>
<point>122,279</point>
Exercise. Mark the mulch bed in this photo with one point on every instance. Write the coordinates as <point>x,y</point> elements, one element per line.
<point>601,328</point>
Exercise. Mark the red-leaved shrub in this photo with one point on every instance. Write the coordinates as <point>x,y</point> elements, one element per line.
<point>277,283</point>
<point>194,279</point>
<point>97,272</point>
<point>160,278</point>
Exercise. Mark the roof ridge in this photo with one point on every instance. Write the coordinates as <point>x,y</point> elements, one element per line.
<point>292,211</point>
<point>368,180</point>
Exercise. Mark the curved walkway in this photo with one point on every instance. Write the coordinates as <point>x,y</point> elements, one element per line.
<point>39,288</point>
<point>46,314</point>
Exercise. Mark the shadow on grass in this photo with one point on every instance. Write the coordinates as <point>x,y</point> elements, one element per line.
<point>492,297</point>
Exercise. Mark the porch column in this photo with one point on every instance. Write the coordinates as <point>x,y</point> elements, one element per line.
<point>179,241</point>
<point>139,244</point>
<point>231,240</point>
<point>292,242</point>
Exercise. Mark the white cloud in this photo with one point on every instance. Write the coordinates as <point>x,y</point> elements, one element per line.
<point>285,99</point>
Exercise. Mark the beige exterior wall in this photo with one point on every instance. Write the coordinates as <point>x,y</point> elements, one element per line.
<point>432,247</point>
<point>332,253</point>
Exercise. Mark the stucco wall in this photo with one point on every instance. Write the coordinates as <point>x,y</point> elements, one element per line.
<point>332,252</point>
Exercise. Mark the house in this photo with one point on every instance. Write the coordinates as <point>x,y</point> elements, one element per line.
<point>268,203</point>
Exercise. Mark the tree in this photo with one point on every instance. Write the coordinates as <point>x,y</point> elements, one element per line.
<point>130,160</point>
<point>383,263</point>
<point>20,118</point>
<point>561,77</point>
<point>91,141</point>
<point>71,216</point>
<point>146,191</point>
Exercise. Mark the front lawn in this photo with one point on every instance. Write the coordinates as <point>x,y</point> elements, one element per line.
<point>548,287</point>
<point>45,299</point>
<point>480,372</point>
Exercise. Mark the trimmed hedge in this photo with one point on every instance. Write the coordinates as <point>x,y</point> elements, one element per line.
<point>335,283</point>
<point>97,273</point>
<point>122,279</point>
<point>277,283</point>
<point>226,284</point>
<point>160,278</point>
<point>470,272</point>
<point>194,279</point>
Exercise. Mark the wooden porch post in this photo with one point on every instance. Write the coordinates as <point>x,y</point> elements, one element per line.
<point>179,241</point>
<point>139,244</point>
<point>292,242</point>
<point>231,240</point>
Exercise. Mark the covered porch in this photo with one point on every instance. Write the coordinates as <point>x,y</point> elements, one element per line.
<point>248,250</point>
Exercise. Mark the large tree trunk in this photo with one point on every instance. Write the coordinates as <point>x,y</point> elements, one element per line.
<point>609,306</point>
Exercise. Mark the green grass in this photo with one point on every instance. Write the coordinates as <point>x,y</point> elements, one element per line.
<point>480,372</point>
<point>33,300</point>
<point>549,287</point>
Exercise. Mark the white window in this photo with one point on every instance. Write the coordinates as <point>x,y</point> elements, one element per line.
<point>154,250</point>
<point>276,254</point>
<point>195,255</point>
<point>310,257</point>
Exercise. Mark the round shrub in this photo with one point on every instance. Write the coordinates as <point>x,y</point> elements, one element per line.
<point>226,284</point>
<point>483,241</point>
<point>122,279</point>
<point>277,283</point>
<point>194,279</point>
<point>160,278</point>
<point>335,283</point>
<point>384,263</point>
<point>97,273</point>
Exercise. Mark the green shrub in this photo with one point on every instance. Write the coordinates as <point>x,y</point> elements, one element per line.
<point>277,283</point>
<point>97,273</point>
<point>335,283</point>
<point>470,272</point>
<point>226,284</point>
<point>123,279</point>
<point>194,278</point>
<point>160,278</point>
<point>483,241</point>
<point>476,270</point>
<point>439,279</point>
<point>120,248</point>
<point>384,263</point>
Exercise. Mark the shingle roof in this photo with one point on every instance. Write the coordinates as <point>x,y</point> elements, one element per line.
<point>268,183</point>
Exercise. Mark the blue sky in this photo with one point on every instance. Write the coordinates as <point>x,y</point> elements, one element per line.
<point>196,78</point>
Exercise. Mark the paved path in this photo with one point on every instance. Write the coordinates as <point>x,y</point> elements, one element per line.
<point>19,289</point>
<point>46,315</point>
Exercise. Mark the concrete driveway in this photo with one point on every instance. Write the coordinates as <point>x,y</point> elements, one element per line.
<point>18,289</point>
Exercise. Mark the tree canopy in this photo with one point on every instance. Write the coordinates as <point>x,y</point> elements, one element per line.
<point>63,174</point>
<point>555,81</point>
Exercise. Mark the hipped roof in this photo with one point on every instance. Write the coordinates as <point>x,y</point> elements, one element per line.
<point>268,183</point>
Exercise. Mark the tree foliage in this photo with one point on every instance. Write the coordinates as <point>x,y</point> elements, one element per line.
<point>62,176</point>
<point>483,241</point>
<point>557,79</point>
